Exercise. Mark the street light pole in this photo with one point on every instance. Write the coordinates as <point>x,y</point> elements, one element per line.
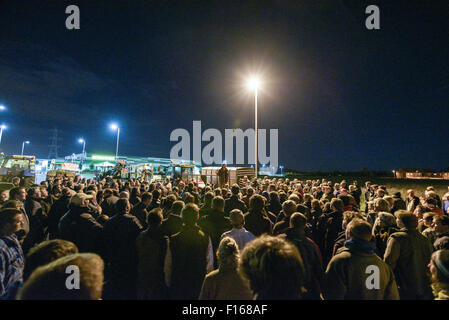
<point>255,126</point>
<point>116,149</point>
<point>23,146</point>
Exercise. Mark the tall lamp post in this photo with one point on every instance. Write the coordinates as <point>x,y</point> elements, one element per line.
<point>116,127</point>
<point>254,84</point>
<point>1,131</point>
<point>84,146</point>
<point>23,145</point>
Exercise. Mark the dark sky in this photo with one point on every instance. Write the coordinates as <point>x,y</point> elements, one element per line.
<point>343,97</point>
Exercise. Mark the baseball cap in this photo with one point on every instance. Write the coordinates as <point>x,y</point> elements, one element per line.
<point>78,198</point>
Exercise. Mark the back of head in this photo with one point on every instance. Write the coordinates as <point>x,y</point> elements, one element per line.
<point>73,277</point>
<point>289,207</point>
<point>122,205</point>
<point>155,217</point>
<point>235,189</point>
<point>442,243</point>
<point>218,203</point>
<point>440,259</point>
<point>46,252</point>
<point>256,203</point>
<point>177,207</point>
<point>273,267</point>
<point>409,220</point>
<point>381,205</point>
<point>146,197</point>
<point>360,229</point>
<point>227,253</point>
<point>208,198</point>
<point>298,220</point>
<point>190,214</point>
<point>387,219</point>
<point>345,198</point>
<point>337,204</point>
<point>237,218</point>
<point>13,204</point>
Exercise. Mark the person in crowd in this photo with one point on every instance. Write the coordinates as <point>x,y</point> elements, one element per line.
<point>310,254</point>
<point>348,216</point>
<point>57,210</point>
<point>225,283</point>
<point>18,194</point>
<point>273,268</point>
<point>256,220</point>
<point>49,282</point>
<point>37,218</point>
<point>134,197</point>
<point>238,233</point>
<point>152,247</point>
<point>332,227</point>
<point>173,223</point>
<point>234,201</point>
<point>288,208</point>
<point>190,254</point>
<point>384,226</point>
<point>120,254</point>
<point>223,176</point>
<point>408,254</point>
<point>79,226</point>
<point>348,275</point>
<point>108,203</point>
<point>155,201</point>
<point>46,252</point>
<point>412,200</point>
<point>439,270</point>
<point>207,206</point>
<point>11,255</point>
<point>215,223</point>
<point>441,226</point>
<point>140,209</point>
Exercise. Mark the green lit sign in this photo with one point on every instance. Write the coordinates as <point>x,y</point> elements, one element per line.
<point>104,158</point>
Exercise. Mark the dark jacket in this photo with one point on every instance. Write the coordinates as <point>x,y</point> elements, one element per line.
<point>333,228</point>
<point>258,223</point>
<point>38,224</point>
<point>78,226</point>
<point>313,264</point>
<point>57,210</point>
<point>152,247</point>
<point>141,213</point>
<point>189,252</point>
<point>154,204</point>
<point>408,254</point>
<point>234,203</point>
<point>171,225</point>
<point>347,275</point>
<point>108,205</point>
<point>214,225</point>
<point>119,239</point>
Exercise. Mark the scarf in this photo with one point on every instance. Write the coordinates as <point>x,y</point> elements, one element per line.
<point>360,245</point>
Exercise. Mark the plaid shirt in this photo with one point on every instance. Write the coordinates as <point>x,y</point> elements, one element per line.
<point>11,263</point>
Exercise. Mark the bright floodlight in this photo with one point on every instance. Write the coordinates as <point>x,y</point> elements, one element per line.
<point>27,142</point>
<point>254,83</point>
<point>3,126</point>
<point>113,126</point>
<point>2,107</point>
<point>81,140</point>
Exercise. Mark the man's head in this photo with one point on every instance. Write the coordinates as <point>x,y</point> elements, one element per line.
<point>46,252</point>
<point>405,219</point>
<point>122,206</point>
<point>235,189</point>
<point>17,193</point>
<point>337,204</point>
<point>441,224</point>
<point>218,203</point>
<point>289,207</point>
<point>146,198</point>
<point>227,253</point>
<point>273,267</point>
<point>15,181</point>
<point>34,193</point>
<point>177,207</point>
<point>80,200</point>
<point>190,214</point>
<point>155,217</point>
<point>11,221</point>
<point>49,282</point>
<point>348,216</point>
<point>298,221</point>
<point>237,218</point>
<point>439,267</point>
<point>428,218</point>
<point>359,229</point>
<point>381,205</point>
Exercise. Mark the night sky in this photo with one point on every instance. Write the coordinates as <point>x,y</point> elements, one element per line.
<point>343,97</point>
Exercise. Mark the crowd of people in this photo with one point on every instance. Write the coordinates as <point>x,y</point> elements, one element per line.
<point>269,238</point>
